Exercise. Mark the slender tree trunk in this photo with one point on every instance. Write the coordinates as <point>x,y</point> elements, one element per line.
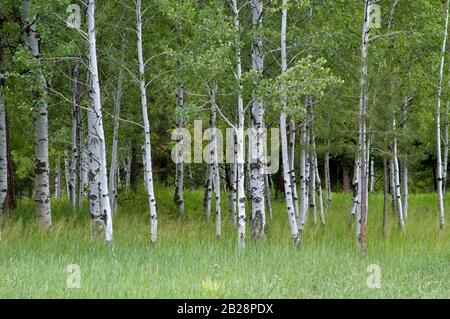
<point>83,163</point>
<point>356,194</point>
<point>392,183</point>
<point>240,130</point>
<point>76,98</point>
<point>207,197</point>
<point>292,164</point>
<point>372,175</point>
<point>327,180</point>
<point>114,168</point>
<point>97,135</point>
<point>215,174</point>
<point>446,146</point>
<point>287,161</point>
<point>179,174</point>
<point>318,184</point>
<point>362,212</point>
<point>303,175</point>
<point>404,164</point>
<point>3,150</point>
<point>438,123</point>
<point>147,145</point>
<point>385,193</point>
<point>257,167</point>
<point>233,181</point>
<point>398,196</point>
<point>58,180</point>
<point>312,177</point>
<point>67,174</point>
<point>41,163</point>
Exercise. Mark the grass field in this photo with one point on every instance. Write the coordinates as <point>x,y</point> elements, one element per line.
<point>189,262</point>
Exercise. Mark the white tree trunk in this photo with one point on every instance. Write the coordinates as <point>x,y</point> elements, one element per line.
<point>114,166</point>
<point>438,122</point>
<point>147,145</point>
<point>446,146</point>
<point>41,162</point>
<point>372,175</point>
<point>215,175</point>
<point>398,197</point>
<point>207,197</point>
<point>128,169</point>
<point>67,174</point>
<point>327,180</point>
<point>312,176</point>
<point>97,136</point>
<point>233,181</point>
<point>58,179</point>
<point>257,165</point>
<point>240,130</point>
<point>362,145</point>
<point>179,170</point>
<point>292,165</point>
<point>318,184</point>
<point>355,187</point>
<point>303,183</point>
<point>74,149</point>
<point>288,162</point>
<point>3,150</point>
<point>83,162</point>
<point>404,163</point>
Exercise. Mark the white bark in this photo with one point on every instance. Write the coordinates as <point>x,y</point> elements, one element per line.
<point>318,184</point>
<point>327,180</point>
<point>398,198</point>
<point>438,122</point>
<point>207,197</point>
<point>128,169</point>
<point>303,173</point>
<point>355,187</point>
<point>214,158</point>
<point>312,175</point>
<point>179,170</point>
<point>3,152</point>
<point>58,179</point>
<point>392,182</point>
<point>257,165</point>
<point>372,175</point>
<point>446,146</point>
<point>292,163</point>
<point>97,135</point>
<point>287,161</point>
<point>147,145</point>
<point>233,181</point>
<point>83,162</point>
<point>240,130</point>
<point>72,184</point>
<point>114,166</point>
<point>41,163</point>
<point>404,164</point>
<point>362,145</point>
<point>67,174</point>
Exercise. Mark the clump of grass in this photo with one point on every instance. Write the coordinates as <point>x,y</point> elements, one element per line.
<point>190,262</point>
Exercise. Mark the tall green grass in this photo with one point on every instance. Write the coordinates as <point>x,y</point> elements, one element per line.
<point>190,262</point>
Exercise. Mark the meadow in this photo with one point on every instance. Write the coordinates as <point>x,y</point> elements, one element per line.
<point>190,262</point>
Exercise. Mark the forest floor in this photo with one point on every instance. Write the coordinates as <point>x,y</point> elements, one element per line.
<point>190,262</point>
